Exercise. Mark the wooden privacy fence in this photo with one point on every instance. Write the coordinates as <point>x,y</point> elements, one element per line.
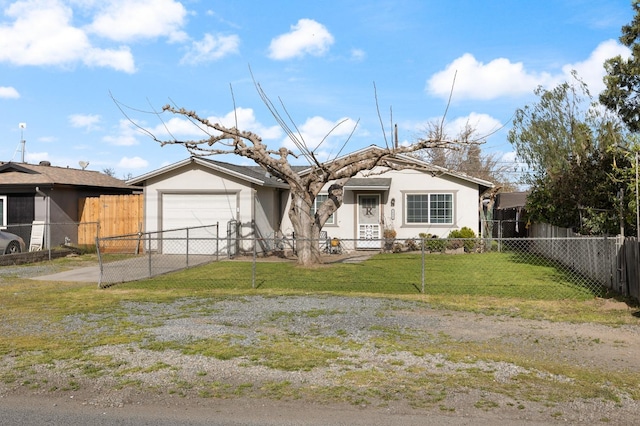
<point>115,215</point>
<point>621,256</point>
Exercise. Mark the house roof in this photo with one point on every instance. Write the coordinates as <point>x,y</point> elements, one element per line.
<point>46,175</point>
<point>421,165</point>
<point>355,184</point>
<point>252,174</point>
<point>510,200</point>
<point>257,175</point>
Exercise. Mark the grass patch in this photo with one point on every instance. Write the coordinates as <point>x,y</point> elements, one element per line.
<point>490,274</point>
<point>34,314</point>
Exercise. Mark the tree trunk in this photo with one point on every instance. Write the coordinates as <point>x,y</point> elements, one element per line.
<point>307,231</point>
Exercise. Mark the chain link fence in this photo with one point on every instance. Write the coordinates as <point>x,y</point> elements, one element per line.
<point>541,268</point>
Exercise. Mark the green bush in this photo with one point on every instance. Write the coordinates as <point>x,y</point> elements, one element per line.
<point>432,243</point>
<point>467,235</point>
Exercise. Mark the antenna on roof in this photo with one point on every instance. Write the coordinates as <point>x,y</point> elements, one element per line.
<point>21,146</point>
<point>83,164</point>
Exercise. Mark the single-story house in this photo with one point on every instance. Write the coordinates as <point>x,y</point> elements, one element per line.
<point>51,195</point>
<point>417,199</point>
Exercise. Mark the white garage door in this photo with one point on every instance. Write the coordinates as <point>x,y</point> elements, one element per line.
<point>192,210</point>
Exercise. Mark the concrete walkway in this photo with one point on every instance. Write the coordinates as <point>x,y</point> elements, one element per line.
<point>87,274</point>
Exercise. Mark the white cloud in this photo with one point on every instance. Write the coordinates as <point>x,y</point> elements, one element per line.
<point>211,48</point>
<point>36,157</point>
<point>120,60</point>
<point>484,124</point>
<point>132,163</point>
<point>87,121</point>
<point>178,127</point>
<point>126,134</point>
<point>127,20</point>
<point>306,37</point>
<point>41,34</point>
<point>315,129</point>
<point>472,79</point>
<point>8,93</point>
<point>358,55</point>
<point>592,71</point>
<point>501,77</point>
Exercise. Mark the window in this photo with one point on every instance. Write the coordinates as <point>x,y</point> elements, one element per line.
<point>321,198</point>
<point>3,211</point>
<point>430,208</point>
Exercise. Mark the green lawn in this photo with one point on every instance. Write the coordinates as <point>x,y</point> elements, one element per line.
<point>488,274</point>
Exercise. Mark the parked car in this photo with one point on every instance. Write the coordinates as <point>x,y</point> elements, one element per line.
<point>10,243</point>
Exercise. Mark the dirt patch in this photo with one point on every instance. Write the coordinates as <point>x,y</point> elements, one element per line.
<point>364,358</point>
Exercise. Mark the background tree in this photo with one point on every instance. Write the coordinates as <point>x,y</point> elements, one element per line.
<point>468,159</point>
<point>304,188</point>
<point>575,168</point>
<point>623,76</point>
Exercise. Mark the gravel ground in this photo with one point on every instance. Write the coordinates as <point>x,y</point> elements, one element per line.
<point>372,354</point>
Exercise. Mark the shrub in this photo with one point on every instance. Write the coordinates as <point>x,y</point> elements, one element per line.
<point>412,245</point>
<point>467,235</point>
<point>434,244</point>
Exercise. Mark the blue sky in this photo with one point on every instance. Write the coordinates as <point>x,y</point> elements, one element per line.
<point>60,60</point>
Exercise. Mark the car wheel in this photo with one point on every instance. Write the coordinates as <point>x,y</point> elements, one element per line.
<point>12,248</point>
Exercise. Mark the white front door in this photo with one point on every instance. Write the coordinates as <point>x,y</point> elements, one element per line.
<point>368,221</point>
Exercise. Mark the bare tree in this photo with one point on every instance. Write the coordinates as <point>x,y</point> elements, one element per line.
<point>305,187</point>
<point>468,159</point>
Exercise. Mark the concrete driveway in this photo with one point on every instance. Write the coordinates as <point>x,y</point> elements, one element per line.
<point>131,269</point>
<point>87,274</point>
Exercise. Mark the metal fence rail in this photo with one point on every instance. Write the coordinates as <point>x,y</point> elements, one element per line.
<point>581,267</point>
<point>147,254</point>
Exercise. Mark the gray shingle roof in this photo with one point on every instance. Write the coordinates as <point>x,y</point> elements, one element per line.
<point>30,174</point>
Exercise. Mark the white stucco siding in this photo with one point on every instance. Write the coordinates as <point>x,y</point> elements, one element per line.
<point>192,195</point>
<point>465,195</point>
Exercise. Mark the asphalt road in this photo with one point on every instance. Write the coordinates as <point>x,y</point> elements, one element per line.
<point>31,411</point>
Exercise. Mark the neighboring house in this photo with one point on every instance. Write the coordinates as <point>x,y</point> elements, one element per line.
<point>508,214</point>
<point>418,199</point>
<point>51,195</point>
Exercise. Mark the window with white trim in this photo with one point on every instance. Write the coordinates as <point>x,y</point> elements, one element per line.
<point>321,198</point>
<point>429,208</point>
<point>3,211</point>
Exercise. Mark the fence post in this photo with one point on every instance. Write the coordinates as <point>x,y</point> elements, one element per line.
<point>255,255</point>
<point>217,241</point>
<point>149,252</point>
<point>187,260</point>
<point>99,263</point>
<point>423,269</point>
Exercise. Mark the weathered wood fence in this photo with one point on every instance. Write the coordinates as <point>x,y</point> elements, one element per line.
<point>621,256</point>
<point>115,215</point>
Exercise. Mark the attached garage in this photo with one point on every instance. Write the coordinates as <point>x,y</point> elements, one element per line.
<point>200,211</point>
<point>184,201</point>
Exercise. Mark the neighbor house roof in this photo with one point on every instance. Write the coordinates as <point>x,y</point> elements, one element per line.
<point>47,175</point>
<point>511,200</point>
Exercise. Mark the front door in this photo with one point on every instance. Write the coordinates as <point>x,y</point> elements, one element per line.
<point>368,221</point>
